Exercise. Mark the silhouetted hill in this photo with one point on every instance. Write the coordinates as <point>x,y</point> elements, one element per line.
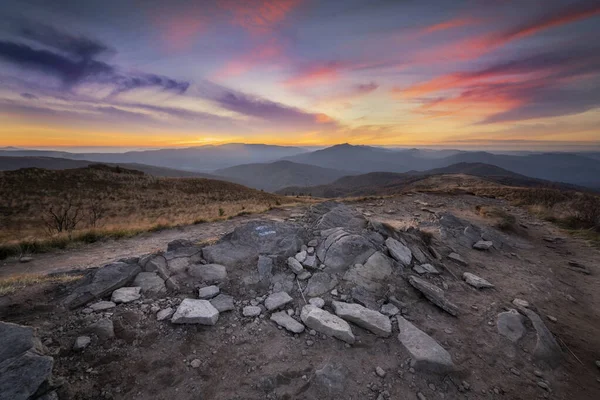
<point>279,174</point>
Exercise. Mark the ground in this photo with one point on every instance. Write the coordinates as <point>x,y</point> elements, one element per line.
<point>247,358</point>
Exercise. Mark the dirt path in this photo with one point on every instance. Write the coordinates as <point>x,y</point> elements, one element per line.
<point>104,252</point>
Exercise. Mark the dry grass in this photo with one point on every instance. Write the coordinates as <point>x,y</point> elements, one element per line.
<point>130,202</point>
<point>17,282</point>
<point>504,221</point>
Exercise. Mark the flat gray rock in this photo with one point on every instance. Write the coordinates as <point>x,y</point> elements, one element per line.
<point>165,314</point>
<point>327,323</point>
<point>433,294</point>
<point>425,269</point>
<point>208,292</point>
<point>546,348</point>
<point>510,325</point>
<point>192,311</point>
<point>150,283</point>
<point>251,311</point>
<point>373,274</point>
<point>371,320</point>
<point>105,281</point>
<point>339,215</point>
<point>426,354</point>
<point>310,261</point>
<point>332,380</point>
<point>457,259</point>
<point>158,264</point>
<point>265,269</point>
<point>295,265</point>
<point>398,251</point>
<point>476,281</point>
<point>301,256</point>
<point>341,250</point>
<point>277,300</point>
<point>317,302</point>
<point>20,377</point>
<point>16,340</point>
<point>389,309</point>
<point>483,245</point>
<point>223,302</point>
<point>209,272</point>
<point>319,284</point>
<point>103,328</point>
<point>102,305</point>
<point>282,319</point>
<point>81,343</point>
<point>126,294</point>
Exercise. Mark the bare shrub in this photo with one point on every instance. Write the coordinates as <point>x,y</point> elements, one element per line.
<point>64,217</point>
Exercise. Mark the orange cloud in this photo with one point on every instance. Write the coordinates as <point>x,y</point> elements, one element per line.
<point>266,52</point>
<point>258,16</point>
<point>450,24</point>
<point>315,75</point>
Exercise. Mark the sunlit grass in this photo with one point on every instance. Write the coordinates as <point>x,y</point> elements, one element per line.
<point>17,282</point>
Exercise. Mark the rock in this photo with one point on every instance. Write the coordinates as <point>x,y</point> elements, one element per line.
<point>301,256</point>
<point>251,311</point>
<point>434,294</point>
<point>209,272</point>
<point>544,386</point>
<point>150,283</point>
<point>398,251</point>
<point>342,249</point>
<point>510,325</point>
<point>380,372</point>
<point>126,295</point>
<point>339,215</point>
<point>425,269</point>
<point>196,363</point>
<point>313,243</point>
<point>158,264</point>
<point>332,379</point>
<point>319,284</point>
<point>476,281</point>
<point>265,269</point>
<point>22,376</point>
<point>327,323</point>
<point>295,265</point>
<point>179,243</point>
<point>310,250</point>
<point>370,320</point>
<point>254,238</point>
<point>483,245</point>
<point>282,319</point>
<point>16,340</point>
<point>304,276</point>
<point>364,297</point>
<point>165,314</point>
<point>373,274</point>
<point>546,347</point>
<point>192,311</point>
<point>389,309</point>
<point>81,343</point>
<point>103,328</point>
<point>102,305</point>
<point>105,280</point>
<point>223,302</point>
<point>310,262</point>
<point>208,292</point>
<point>551,318</point>
<point>317,302</point>
<point>426,354</point>
<point>520,303</point>
<point>25,260</point>
<point>457,259</point>
<point>277,300</point>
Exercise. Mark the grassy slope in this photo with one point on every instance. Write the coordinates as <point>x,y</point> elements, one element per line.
<point>131,201</point>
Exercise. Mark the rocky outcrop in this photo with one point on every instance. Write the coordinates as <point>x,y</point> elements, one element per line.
<point>546,349</point>
<point>510,325</point>
<point>342,249</point>
<point>399,252</point>
<point>327,323</point>
<point>434,294</point>
<point>371,275</point>
<point>371,320</point>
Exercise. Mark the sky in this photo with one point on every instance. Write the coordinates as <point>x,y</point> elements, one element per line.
<point>147,73</point>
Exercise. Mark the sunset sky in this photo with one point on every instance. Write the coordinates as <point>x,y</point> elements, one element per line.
<point>148,73</point>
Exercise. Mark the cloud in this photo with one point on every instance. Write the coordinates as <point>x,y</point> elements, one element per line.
<point>449,24</point>
<point>78,65</point>
<point>266,52</point>
<point>259,16</point>
<point>29,96</point>
<point>316,74</point>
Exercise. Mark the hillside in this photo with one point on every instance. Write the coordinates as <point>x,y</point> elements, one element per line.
<point>54,163</point>
<point>115,198</point>
<point>280,174</point>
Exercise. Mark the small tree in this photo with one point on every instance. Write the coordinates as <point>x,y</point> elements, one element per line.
<point>63,218</point>
<point>96,212</point>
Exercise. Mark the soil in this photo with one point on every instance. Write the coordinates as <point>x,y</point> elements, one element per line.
<point>248,358</point>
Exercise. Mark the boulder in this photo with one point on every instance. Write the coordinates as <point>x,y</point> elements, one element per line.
<point>247,242</point>
<point>277,300</point>
<point>105,280</point>
<point>223,302</point>
<point>371,320</point>
<point>102,306</point>
<point>179,243</point>
<point>310,261</point>
<point>425,269</point>
<point>81,343</point>
<point>251,311</point>
<point>301,257</point>
<point>22,376</point>
<point>341,249</point>
<point>209,272</point>
<point>126,294</point>
<point>510,325</point>
<point>433,294</point>
<point>327,323</point>
<point>364,297</point>
<point>338,215</point>
<point>389,309</point>
<point>476,281</point>
<point>398,251</point>
<point>282,319</point>
<point>103,328</point>
<point>192,311</point>
<point>150,283</point>
<point>483,245</point>
<point>16,340</point>
<point>426,354</point>
<point>208,292</point>
<point>546,349</point>
<point>265,269</point>
<point>165,314</point>
<point>317,302</point>
<point>373,274</point>
<point>295,265</point>
<point>319,284</point>
<point>158,265</point>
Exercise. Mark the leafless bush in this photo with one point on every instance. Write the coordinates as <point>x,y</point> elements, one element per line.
<point>96,211</point>
<point>64,217</point>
